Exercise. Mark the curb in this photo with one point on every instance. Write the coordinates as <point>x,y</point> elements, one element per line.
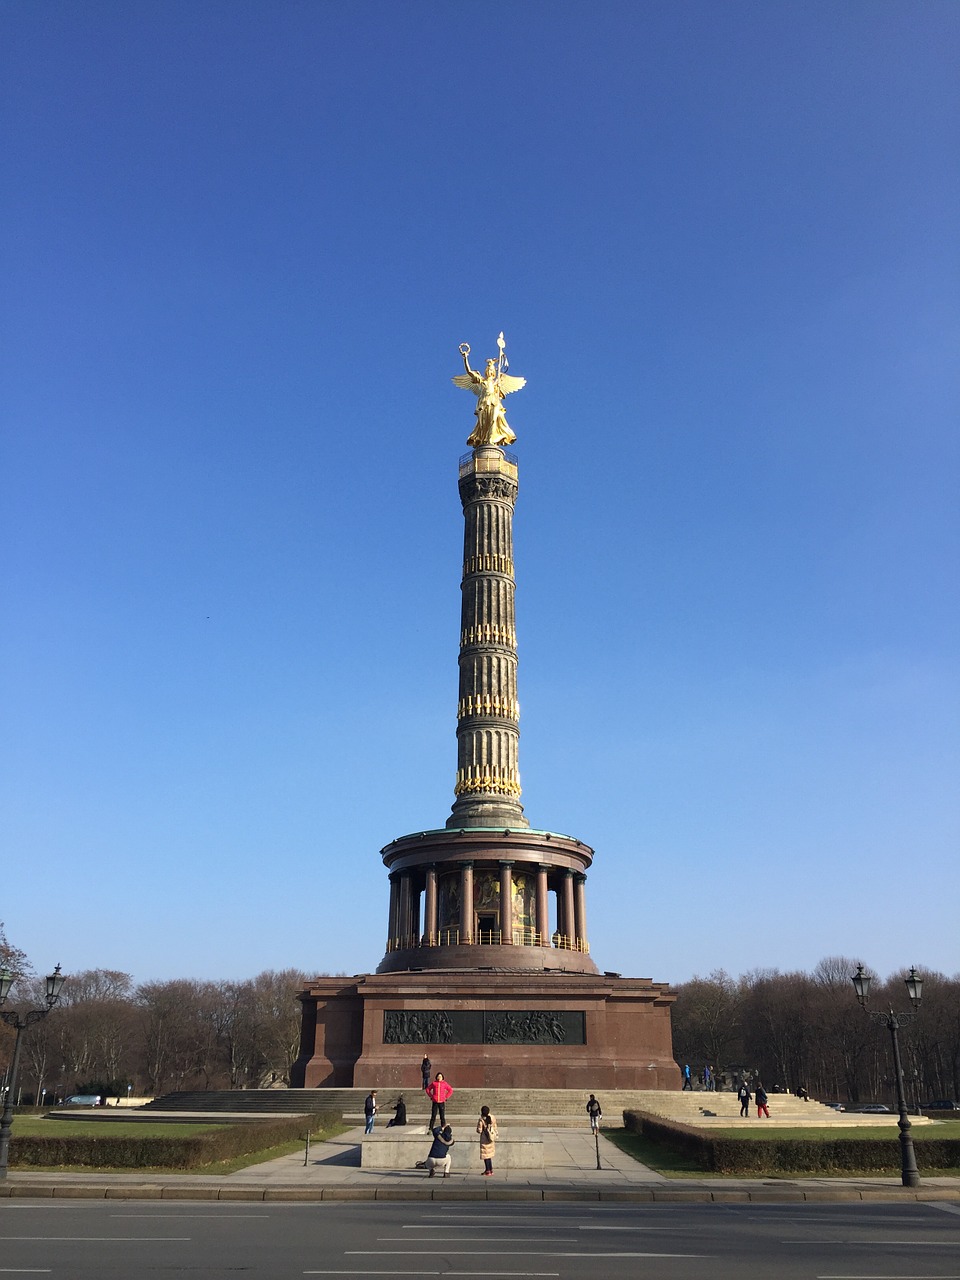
<point>660,1195</point>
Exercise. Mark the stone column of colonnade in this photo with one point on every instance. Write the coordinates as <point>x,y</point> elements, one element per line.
<point>414,906</point>
<point>488,714</point>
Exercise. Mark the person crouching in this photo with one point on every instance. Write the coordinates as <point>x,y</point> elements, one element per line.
<point>439,1157</point>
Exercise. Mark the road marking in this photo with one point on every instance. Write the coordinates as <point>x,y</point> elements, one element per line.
<point>102,1239</point>
<point>626,1228</point>
<point>525,1238</point>
<point>888,1277</point>
<point>947,1208</point>
<point>538,1253</point>
<point>176,1217</point>
<point>25,1271</point>
<point>857,1244</point>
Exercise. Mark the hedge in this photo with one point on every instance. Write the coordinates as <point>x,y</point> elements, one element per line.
<point>190,1152</point>
<point>717,1154</point>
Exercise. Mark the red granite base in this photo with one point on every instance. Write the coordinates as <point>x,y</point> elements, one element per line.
<point>628,1042</point>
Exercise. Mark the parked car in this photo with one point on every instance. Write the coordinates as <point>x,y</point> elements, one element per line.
<point>943,1104</point>
<point>82,1100</point>
<point>873,1109</point>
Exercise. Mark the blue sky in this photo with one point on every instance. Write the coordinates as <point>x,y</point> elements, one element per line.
<point>242,243</point>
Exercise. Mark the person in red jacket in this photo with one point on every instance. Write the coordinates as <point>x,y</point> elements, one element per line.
<point>438,1093</point>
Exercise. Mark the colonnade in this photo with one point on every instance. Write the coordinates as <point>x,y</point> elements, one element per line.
<point>414,907</point>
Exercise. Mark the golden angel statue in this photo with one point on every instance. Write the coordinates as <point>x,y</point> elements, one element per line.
<point>489,387</point>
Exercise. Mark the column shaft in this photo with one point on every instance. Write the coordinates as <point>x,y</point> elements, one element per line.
<point>543,907</point>
<point>430,908</point>
<point>569,922</point>
<point>406,910</point>
<point>506,903</point>
<point>466,902</point>
<point>580,908</point>
<point>393,926</point>
<point>488,779</point>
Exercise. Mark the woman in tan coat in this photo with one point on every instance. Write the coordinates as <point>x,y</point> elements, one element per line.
<point>487,1129</point>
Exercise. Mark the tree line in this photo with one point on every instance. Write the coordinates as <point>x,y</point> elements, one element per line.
<point>112,1036</point>
<point>806,1031</point>
<point>109,1035</point>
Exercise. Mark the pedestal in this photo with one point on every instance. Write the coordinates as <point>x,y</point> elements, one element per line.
<point>487,1029</point>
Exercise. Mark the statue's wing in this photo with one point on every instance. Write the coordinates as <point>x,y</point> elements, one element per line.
<point>509,383</point>
<point>464,380</point>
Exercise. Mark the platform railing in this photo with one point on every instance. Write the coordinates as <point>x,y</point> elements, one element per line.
<point>523,936</point>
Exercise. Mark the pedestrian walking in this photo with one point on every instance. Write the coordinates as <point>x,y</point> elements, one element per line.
<point>439,1157</point>
<point>487,1129</point>
<point>438,1093</point>
<point>708,1078</point>
<point>594,1112</point>
<point>426,1066</point>
<point>743,1093</point>
<point>369,1110</point>
<point>760,1097</point>
<point>687,1082</point>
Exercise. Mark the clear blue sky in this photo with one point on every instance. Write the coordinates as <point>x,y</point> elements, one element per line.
<point>242,241</point>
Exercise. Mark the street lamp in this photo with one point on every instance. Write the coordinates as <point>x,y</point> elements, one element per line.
<point>909,1175</point>
<point>20,1021</point>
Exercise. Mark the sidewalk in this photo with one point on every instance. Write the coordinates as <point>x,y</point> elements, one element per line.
<point>570,1173</point>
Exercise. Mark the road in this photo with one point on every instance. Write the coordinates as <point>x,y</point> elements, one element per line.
<point>128,1240</point>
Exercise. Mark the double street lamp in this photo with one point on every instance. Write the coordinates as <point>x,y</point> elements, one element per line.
<point>20,1021</point>
<point>909,1176</point>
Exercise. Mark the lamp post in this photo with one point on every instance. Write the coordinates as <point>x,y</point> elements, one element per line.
<point>20,1021</point>
<point>909,1176</point>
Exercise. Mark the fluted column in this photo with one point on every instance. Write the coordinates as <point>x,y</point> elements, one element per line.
<point>543,906</point>
<point>488,776</point>
<point>506,903</point>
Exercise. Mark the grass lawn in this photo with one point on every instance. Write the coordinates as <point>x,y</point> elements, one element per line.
<point>673,1165</point>
<point>657,1158</point>
<point>31,1126</point>
<point>919,1133</point>
<point>38,1127</point>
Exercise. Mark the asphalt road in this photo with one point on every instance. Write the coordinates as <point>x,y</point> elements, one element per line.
<point>127,1240</point>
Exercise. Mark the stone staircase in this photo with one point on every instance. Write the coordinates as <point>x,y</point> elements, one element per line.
<point>555,1107</point>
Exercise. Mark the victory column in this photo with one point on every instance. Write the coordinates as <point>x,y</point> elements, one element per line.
<point>487,952</point>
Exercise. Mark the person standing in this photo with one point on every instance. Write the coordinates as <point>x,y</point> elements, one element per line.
<point>743,1093</point>
<point>594,1112</point>
<point>439,1157</point>
<point>760,1097</point>
<point>487,1129</point>
<point>438,1093</point>
<point>426,1066</point>
<point>369,1110</point>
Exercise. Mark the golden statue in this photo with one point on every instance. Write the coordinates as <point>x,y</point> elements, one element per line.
<point>489,387</point>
